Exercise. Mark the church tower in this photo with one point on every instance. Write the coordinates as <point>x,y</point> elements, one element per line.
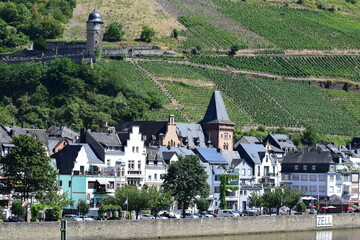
<point>94,33</point>
<point>217,124</point>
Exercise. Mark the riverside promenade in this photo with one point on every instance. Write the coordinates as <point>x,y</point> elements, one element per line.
<point>167,228</point>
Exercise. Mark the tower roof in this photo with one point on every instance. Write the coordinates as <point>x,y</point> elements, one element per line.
<point>216,111</point>
<point>95,17</point>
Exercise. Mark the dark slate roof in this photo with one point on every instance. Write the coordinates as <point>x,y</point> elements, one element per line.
<point>4,135</point>
<point>309,155</point>
<point>191,132</point>
<point>210,155</point>
<point>216,111</point>
<point>254,152</point>
<point>181,151</point>
<point>66,157</point>
<point>65,132</point>
<point>153,153</point>
<point>168,155</point>
<point>40,134</point>
<point>150,129</point>
<point>230,156</point>
<point>95,17</point>
<point>355,143</point>
<point>106,139</point>
<point>283,140</point>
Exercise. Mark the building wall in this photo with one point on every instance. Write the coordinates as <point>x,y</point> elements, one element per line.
<point>165,228</point>
<point>94,38</point>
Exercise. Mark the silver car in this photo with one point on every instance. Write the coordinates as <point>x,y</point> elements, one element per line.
<point>72,217</point>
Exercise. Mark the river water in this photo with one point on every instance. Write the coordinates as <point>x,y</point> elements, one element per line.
<point>324,234</point>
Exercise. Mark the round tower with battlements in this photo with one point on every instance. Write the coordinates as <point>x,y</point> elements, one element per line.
<point>94,33</point>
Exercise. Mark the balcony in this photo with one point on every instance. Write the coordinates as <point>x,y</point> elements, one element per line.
<point>233,183</point>
<point>134,172</point>
<point>251,187</point>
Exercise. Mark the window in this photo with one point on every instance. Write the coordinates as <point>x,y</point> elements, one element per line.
<point>111,185</point>
<point>122,171</point>
<point>217,178</point>
<point>313,167</point>
<point>139,165</point>
<point>274,170</point>
<point>295,187</point>
<point>133,149</point>
<point>69,183</point>
<point>312,177</point>
<point>249,172</point>
<point>155,176</point>
<point>321,188</point>
<point>118,173</point>
<point>108,162</point>
<point>331,189</point>
<point>304,188</point>
<point>321,177</point>
<point>285,177</point>
<point>331,178</point>
<point>91,185</point>
<point>295,177</point>
<point>338,189</point>
<point>243,172</point>
<point>312,189</point>
<point>258,171</point>
<point>60,183</point>
<point>98,200</point>
<point>162,176</point>
<point>355,177</point>
<point>131,164</point>
<point>216,189</point>
<point>137,149</point>
<point>305,167</point>
<point>304,177</point>
<point>245,192</point>
<point>296,167</point>
<point>149,177</point>
<point>226,136</point>
<point>332,168</point>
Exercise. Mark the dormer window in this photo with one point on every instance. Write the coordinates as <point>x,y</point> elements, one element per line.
<point>296,167</point>
<point>305,167</point>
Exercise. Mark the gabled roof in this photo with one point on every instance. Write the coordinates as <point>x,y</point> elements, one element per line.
<point>181,151</point>
<point>309,155</point>
<point>253,152</point>
<point>66,157</point>
<point>154,153</point>
<point>167,156</point>
<point>191,132</point>
<point>210,155</point>
<point>216,111</point>
<point>230,156</point>
<point>106,139</point>
<point>4,135</point>
<point>283,140</point>
<point>65,132</point>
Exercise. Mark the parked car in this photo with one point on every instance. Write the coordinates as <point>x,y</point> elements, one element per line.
<point>240,213</point>
<point>191,215</point>
<point>72,217</point>
<point>146,216</point>
<point>15,219</point>
<point>157,216</point>
<point>251,213</point>
<point>205,215</point>
<point>228,213</point>
<point>88,218</point>
<point>3,219</point>
<point>167,215</point>
<point>214,214</point>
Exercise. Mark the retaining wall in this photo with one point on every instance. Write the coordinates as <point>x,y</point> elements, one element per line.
<point>160,228</point>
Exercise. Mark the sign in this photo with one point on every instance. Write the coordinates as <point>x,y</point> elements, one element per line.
<point>324,221</point>
<point>324,235</point>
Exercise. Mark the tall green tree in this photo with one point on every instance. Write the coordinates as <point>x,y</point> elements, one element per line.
<point>309,136</point>
<point>17,208</point>
<point>53,197</point>
<point>273,199</point>
<point>83,207</point>
<point>27,169</point>
<point>147,34</point>
<point>255,200</point>
<point>158,199</point>
<point>291,197</point>
<point>130,197</point>
<point>203,205</point>
<point>114,32</point>
<point>186,179</point>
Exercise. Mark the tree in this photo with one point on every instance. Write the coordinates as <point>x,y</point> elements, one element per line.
<point>27,167</point>
<point>186,179</point>
<point>309,136</point>
<point>234,49</point>
<point>255,200</point>
<point>130,197</point>
<point>175,33</point>
<point>114,32</point>
<point>158,199</point>
<point>291,197</point>
<point>54,198</point>
<point>17,208</point>
<point>83,207</point>
<point>202,204</point>
<point>273,199</point>
<point>147,34</point>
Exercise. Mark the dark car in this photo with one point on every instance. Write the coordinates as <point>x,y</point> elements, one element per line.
<point>167,215</point>
<point>214,214</point>
<point>15,219</point>
<point>2,218</point>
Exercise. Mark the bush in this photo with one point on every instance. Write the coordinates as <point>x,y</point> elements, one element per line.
<point>234,49</point>
<point>40,44</point>
<point>114,32</point>
<point>147,34</point>
<point>175,33</point>
<point>301,207</point>
<point>53,214</point>
<point>17,208</point>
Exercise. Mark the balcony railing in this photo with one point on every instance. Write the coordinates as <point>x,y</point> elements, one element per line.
<point>133,172</point>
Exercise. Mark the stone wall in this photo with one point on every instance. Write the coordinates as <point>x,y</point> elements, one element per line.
<point>160,228</point>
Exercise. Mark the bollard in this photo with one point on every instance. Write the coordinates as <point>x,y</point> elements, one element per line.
<point>63,229</point>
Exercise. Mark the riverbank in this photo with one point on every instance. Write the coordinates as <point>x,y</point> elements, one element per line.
<point>167,228</point>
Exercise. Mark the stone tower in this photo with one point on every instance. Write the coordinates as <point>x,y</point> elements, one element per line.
<point>217,124</point>
<point>94,33</point>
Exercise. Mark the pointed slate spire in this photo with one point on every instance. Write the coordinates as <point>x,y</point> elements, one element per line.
<point>216,111</point>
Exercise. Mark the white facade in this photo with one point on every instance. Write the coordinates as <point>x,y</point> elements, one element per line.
<point>266,173</point>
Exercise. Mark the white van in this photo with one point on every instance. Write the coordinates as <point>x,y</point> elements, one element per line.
<point>228,213</point>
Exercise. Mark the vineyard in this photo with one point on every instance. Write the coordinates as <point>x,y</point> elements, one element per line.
<point>347,100</point>
<point>321,66</point>
<point>268,102</point>
<point>203,35</point>
<point>295,28</point>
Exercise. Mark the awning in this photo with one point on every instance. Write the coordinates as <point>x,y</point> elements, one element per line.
<point>324,208</point>
<point>350,208</point>
<point>102,181</point>
<point>354,201</point>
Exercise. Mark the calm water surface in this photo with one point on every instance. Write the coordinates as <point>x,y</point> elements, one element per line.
<point>324,234</point>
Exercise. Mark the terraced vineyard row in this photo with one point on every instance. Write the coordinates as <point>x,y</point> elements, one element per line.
<point>324,66</point>
<point>195,100</point>
<point>270,102</point>
<point>295,28</point>
<point>203,35</point>
<point>350,101</point>
<point>162,115</point>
